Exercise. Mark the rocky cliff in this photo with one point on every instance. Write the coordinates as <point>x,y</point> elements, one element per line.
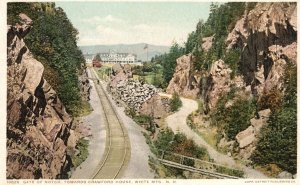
<point>38,125</point>
<point>267,39</point>
<point>183,81</point>
<point>267,36</point>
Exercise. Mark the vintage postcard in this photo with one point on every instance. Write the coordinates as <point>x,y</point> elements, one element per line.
<point>149,92</point>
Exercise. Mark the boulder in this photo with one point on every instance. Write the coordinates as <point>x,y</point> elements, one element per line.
<point>245,137</point>
<point>248,138</point>
<point>156,106</point>
<point>263,118</point>
<point>285,175</point>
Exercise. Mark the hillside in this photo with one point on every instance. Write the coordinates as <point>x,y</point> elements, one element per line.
<point>241,63</point>
<point>127,48</point>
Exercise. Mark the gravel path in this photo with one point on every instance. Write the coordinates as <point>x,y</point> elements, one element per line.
<point>177,122</point>
<point>138,164</point>
<point>96,141</point>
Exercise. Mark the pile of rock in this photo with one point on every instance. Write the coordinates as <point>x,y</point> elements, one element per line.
<point>134,93</point>
<point>143,98</point>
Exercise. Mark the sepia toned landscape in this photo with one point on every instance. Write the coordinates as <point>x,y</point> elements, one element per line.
<point>151,90</point>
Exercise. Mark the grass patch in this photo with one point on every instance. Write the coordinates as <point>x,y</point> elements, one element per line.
<point>85,109</point>
<point>103,72</point>
<point>148,78</point>
<point>209,135</point>
<point>82,147</point>
<point>141,119</point>
<point>175,102</point>
<point>231,172</point>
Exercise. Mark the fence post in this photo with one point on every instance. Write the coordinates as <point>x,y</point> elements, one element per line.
<point>162,155</point>
<point>181,159</point>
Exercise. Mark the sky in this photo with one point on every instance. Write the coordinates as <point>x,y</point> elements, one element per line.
<point>158,23</point>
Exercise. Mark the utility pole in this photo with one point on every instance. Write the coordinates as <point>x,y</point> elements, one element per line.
<point>146,47</point>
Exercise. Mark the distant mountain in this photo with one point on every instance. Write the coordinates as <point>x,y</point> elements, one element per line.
<point>137,49</point>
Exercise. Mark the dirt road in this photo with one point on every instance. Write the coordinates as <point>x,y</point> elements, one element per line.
<point>177,122</point>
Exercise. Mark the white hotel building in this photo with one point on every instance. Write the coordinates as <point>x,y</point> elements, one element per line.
<point>122,58</point>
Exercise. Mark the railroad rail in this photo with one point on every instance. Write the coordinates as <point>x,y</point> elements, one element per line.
<point>117,147</point>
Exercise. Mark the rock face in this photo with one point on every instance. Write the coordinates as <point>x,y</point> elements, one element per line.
<point>267,36</point>
<point>37,123</point>
<point>183,81</point>
<point>84,84</point>
<point>218,81</point>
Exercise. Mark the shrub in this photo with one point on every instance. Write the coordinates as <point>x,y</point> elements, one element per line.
<point>232,58</point>
<point>82,147</point>
<point>278,141</point>
<point>271,100</point>
<point>235,118</point>
<point>175,102</point>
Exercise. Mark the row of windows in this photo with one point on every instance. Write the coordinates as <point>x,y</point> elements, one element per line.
<point>116,55</point>
<point>127,62</point>
<point>118,59</point>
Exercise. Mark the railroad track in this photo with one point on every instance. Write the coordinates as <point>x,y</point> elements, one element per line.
<point>117,147</point>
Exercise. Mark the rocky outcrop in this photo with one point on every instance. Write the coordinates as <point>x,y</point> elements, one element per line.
<point>207,43</point>
<point>267,36</point>
<point>267,39</point>
<point>119,74</point>
<point>38,125</point>
<point>248,138</point>
<point>219,83</point>
<point>84,84</point>
<point>183,81</point>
